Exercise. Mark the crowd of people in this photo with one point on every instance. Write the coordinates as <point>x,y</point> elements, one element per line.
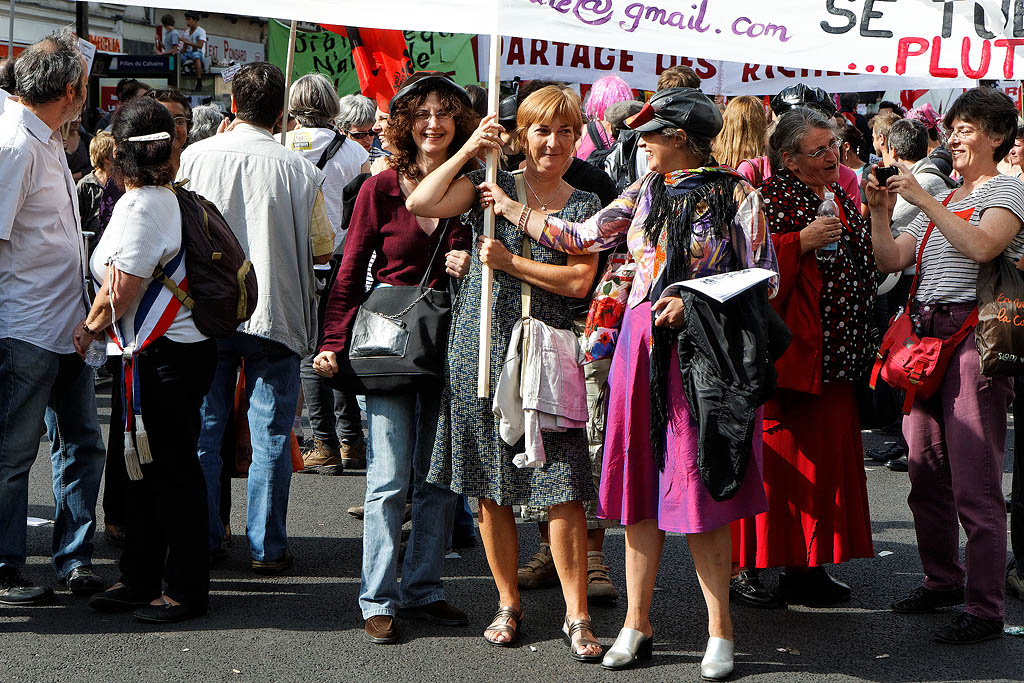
<point>638,194</point>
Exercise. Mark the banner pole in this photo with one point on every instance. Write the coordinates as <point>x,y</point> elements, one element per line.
<point>10,34</point>
<point>289,65</point>
<point>483,386</point>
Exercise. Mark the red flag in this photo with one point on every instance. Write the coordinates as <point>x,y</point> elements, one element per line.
<point>381,57</point>
<point>909,97</point>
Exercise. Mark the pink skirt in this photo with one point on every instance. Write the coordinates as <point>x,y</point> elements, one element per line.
<point>632,489</point>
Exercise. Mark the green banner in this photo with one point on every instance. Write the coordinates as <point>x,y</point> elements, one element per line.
<point>331,55</point>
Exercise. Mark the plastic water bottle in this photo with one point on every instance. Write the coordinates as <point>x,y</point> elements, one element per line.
<point>828,208</point>
<point>96,354</point>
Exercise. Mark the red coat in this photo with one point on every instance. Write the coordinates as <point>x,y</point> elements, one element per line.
<point>797,302</point>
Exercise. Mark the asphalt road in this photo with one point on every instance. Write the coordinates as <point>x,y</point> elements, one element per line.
<point>306,626</point>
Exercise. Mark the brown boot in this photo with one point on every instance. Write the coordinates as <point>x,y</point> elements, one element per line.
<point>540,571</point>
<point>599,585</point>
<point>353,455</point>
<point>322,459</point>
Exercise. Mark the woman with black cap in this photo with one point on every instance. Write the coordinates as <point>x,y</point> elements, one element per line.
<point>688,218</point>
<point>430,117</point>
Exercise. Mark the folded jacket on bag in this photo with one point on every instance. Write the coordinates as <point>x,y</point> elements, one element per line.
<point>546,392</point>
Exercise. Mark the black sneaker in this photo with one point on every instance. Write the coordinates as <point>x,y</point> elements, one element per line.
<point>15,590</point>
<point>890,451</point>
<point>923,600</point>
<point>812,588</point>
<point>900,464</point>
<point>438,612</point>
<point>747,589</point>
<point>83,581</point>
<point>966,629</point>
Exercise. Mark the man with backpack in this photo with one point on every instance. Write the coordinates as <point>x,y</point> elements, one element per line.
<point>271,198</point>
<point>905,142</point>
<point>315,106</point>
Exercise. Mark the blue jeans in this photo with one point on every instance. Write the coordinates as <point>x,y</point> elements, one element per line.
<point>272,387</point>
<point>402,429</point>
<point>38,385</point>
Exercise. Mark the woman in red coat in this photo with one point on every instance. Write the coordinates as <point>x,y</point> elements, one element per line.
<point>813,459</point>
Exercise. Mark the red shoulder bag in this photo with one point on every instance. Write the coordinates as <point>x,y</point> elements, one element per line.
<point>912,364</point>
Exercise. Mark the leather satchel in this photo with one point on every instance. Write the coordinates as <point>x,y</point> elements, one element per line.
<point>914,364</point>
<point>399,338</point>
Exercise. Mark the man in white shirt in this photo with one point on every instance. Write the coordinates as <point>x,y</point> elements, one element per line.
<point>42,277</point>
<point>271,198</point>
<point>194,41</point>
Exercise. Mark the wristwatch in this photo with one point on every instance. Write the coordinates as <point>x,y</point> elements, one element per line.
<point>85,328</point>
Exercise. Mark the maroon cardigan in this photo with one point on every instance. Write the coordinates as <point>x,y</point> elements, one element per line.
<point>381,225</point>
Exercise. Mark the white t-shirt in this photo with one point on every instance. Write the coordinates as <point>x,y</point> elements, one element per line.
<point>194,37</point>
<point>340,170</point>
<point>947,276</point>
<point>144,231</point>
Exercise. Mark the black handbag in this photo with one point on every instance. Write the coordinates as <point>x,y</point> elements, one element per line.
<point>399,338</point>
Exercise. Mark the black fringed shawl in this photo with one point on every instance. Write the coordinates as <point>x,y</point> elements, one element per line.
<point>683,204</point>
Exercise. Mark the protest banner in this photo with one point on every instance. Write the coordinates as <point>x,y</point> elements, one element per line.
<point>556,60</point>
<point>939,40</point>
<point>331,55</point>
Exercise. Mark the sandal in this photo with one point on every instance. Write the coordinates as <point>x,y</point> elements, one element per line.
<point>500,623</point>
<point>571,630</point>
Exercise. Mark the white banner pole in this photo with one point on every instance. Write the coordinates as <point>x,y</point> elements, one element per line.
<point>290,65</point>
<point>483,385</point>
<point>10,34</point>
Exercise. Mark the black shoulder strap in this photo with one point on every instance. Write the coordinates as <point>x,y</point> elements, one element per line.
<point>595,135</point>
<point>331,150</point>
<point>437,250</point>
<point>950,183</point>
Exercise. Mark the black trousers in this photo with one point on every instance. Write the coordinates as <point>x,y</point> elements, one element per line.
<point>1017,485</point>
<point>166,524</point>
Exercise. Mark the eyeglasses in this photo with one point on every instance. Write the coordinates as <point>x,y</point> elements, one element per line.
<point>832,147</point>
<point>182,121</point>
<point>359,134</point>
<point>424,115</point>
<point>960,132</point>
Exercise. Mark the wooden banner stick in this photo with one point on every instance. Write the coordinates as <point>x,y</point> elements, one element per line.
<point>483,386</point>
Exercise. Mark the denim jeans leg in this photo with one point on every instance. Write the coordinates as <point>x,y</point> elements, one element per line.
<point>76,457</point>
<point>272,385</point>
<point>1017,482</point>
<point>217,407</point>
<point>433,513</point>
<point>392,427</point>
<point>319,400</point>
<point>348,417</point>
<point>27,373</point>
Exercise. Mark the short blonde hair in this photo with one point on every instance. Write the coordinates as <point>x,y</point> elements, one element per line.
<point>101,149</point>
<point>544,106</point>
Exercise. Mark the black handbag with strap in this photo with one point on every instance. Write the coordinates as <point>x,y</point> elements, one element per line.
<point>399,338</point>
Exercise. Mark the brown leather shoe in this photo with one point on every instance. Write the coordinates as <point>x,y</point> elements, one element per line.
<point>353,454</point>
<point>599,583</point>
<point>381,629</point>
<point>322,459</point>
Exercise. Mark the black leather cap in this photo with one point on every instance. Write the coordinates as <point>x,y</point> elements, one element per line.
<point>423,82</point>
<point>507,109</point>
<point>800,95</point>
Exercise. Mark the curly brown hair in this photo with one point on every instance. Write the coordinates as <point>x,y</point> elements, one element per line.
<point>400,123</point>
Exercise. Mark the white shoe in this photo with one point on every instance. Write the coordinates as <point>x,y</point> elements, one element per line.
<point>631,646</point>
<point>717,664</point>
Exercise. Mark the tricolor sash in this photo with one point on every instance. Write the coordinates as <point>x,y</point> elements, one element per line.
<point>157,310</point>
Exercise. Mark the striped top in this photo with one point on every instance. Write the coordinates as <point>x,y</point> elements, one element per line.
<point>745,244</point>
<point>947,276</point>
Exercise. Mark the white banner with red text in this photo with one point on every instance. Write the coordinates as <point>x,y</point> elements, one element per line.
<point>930,39</point>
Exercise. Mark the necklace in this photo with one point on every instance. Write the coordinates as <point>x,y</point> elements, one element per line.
<point>543,204</point>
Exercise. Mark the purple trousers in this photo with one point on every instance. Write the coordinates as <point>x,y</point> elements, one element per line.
<point>956,440</point>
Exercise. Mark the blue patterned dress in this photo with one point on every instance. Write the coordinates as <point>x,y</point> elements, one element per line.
<point>469,455</point>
